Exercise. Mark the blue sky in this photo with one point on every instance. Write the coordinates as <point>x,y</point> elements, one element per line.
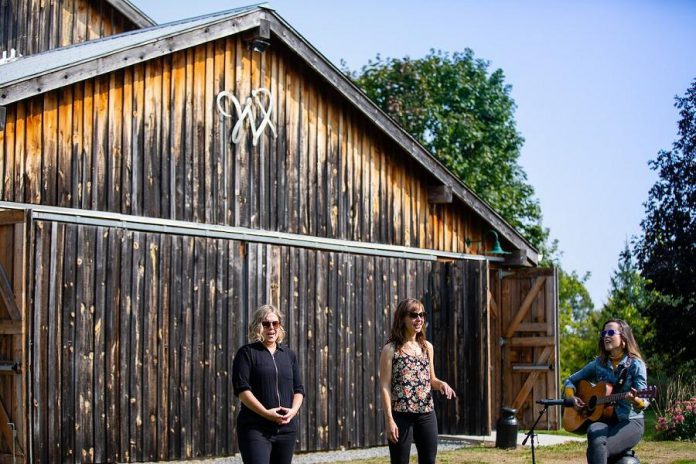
<point>594,83</point>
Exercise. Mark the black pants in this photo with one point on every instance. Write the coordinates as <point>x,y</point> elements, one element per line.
<point>607,440</point>
<point>262,447</point>
<point>418,428</point>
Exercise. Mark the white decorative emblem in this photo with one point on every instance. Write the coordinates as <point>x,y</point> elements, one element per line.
<point>253,104</point>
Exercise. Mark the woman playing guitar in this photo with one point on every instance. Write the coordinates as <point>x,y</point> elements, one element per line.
<point>620,364</point>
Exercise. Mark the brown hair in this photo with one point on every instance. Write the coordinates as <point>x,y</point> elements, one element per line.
<point>256,328</point>
<point>398,330</point>
<point>630,347</point>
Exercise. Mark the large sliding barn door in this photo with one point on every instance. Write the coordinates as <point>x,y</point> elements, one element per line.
<point>459,330</point>
<point>524,319</point>
<point>12,354</point>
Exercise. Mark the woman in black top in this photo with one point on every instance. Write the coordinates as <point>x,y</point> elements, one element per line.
<point>266,378</point>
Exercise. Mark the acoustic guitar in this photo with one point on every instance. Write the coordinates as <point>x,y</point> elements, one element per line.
<point>599,404</point>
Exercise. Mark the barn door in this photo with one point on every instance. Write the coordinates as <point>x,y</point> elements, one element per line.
<point>459,330</point>
<point>12,354</point>
<point>524,313</point>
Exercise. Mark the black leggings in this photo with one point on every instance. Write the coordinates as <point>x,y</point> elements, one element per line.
<point>607,440</point>
<point>261,447</point>
<point>418,428</point>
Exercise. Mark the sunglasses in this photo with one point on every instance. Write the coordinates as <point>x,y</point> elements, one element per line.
<point>608,333</point>
<point>414,315</point>
<point>267,324</point>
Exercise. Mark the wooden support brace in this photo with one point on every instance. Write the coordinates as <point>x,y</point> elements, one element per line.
<point>493,305</point>
<point>10,327</point>
<point>533,376</point>
<point>6,431</point>
<point>531,341</point>
<point>8,296</point>
<point>524,308</point>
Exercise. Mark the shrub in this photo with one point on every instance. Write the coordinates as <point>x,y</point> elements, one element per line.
<point>678,421</point>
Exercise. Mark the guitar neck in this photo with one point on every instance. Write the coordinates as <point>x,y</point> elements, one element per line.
<point>612,398</point>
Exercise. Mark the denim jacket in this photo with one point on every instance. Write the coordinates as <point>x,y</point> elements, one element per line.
<point>596,371</point>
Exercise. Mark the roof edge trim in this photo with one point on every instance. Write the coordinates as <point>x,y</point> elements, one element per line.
<point>133,13</point>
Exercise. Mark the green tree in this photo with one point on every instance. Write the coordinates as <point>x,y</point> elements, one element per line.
<point>629,297</point>
<point>577,322</point>
<point>666,251</point>
<point>464,115</point>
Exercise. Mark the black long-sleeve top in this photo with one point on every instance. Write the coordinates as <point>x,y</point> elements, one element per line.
<point>272,378</point>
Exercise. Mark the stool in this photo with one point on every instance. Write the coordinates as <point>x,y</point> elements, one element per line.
<point>627,457</point>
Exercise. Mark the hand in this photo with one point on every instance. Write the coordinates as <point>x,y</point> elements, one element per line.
<point>446,390</point>
<point>631,396</point>
<point>392,431</point>
<point>579,403</point>
<point>279,415</point>
<point>289,414</point>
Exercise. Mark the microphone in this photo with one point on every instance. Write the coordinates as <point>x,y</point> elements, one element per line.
<point>565,402</point>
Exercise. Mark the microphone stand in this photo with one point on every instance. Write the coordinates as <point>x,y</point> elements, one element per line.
<point>531,433</point>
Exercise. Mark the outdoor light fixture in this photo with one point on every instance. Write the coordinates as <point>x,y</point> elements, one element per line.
<point>258,39</point>
<point>259,44</point>
<point>496,250</point>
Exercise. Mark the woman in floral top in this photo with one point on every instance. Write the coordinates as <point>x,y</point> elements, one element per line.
<point>406,377</point>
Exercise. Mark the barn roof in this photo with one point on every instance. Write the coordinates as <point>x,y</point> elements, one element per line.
<point>57,68</point>
<point>132,12</point>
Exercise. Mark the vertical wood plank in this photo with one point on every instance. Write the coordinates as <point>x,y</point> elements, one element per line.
<point>198,354</point>
<point>112,334</point>
<point>136,360</point>
<point>152,126</point>
<point>49,148</point>
<point>151,341</point>
<point>101,258</point>
<point>98,176</point>
<point>164,346</point>
<point>85,343</point>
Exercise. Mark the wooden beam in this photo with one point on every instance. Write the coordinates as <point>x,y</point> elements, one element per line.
<point>532,327</point>
<point>440,194</point>
<point>532,367</point>
<point>10,327</point>
<point>3,115</point>
<point>533,376</point>
<point>524,308</point>
<point>531,341</point>
<point>8,296</point>
<point>517,258</point>
<point>527,273</point>
<point>11,216</point>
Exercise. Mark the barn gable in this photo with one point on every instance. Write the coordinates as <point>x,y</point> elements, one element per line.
<point>62,67</point>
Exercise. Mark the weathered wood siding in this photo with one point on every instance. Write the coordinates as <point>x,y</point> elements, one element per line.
<point>134,336</point>
<point>148,141</point>
<point>35,26</point>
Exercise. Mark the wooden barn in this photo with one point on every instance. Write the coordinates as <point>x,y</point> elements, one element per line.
<point>159,182</point>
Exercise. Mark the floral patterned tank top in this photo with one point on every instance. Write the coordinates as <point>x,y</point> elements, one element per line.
<point>410,386</point>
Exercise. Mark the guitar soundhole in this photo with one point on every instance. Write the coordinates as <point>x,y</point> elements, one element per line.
<point>591,404</point>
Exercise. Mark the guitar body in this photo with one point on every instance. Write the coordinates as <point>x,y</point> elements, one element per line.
<point>577,421</point>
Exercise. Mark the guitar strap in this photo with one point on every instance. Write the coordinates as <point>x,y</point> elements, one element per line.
<point>622,375</point>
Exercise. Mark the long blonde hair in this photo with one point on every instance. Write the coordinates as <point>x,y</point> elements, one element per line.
<point>256,328</point>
